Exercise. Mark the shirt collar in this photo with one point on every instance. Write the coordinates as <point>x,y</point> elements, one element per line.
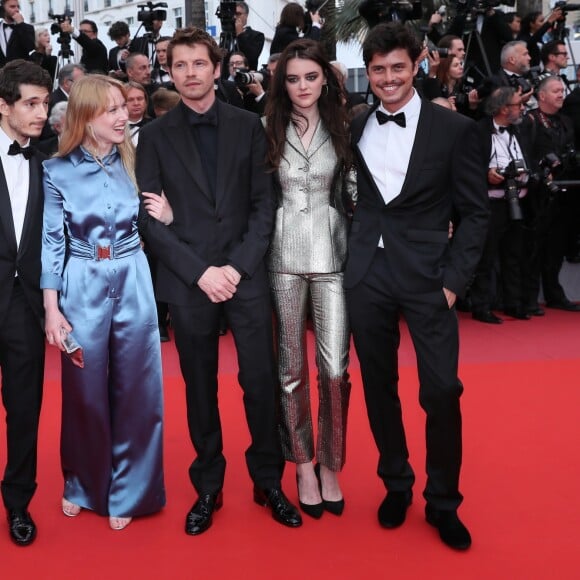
<point>6,141</point>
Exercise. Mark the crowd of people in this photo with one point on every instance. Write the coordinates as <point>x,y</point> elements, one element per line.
<point>153,185</point>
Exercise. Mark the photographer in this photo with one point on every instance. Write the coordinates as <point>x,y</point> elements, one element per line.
<point>292,24</point>
<point>250,84</point>
<point>16,37</point>
<point>551,136</point>
<point>554,57</point>
<point>248,41</point>
<point>533,28</point>
<point>507,176</point>
<point>94,56</point>
<point>119,33</point>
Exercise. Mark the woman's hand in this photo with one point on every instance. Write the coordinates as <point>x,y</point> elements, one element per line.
<point>158,207</point>
<point>56,327</point>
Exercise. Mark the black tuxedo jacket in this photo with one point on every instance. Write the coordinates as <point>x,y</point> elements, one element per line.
<point>251,43</point>
<point>231,227</point>
<point>113,60</point>
<point>24,258</point>
<point>445,178</point>
<point>20,45</point>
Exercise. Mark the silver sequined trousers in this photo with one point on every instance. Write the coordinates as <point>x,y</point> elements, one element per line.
<point>292,293</point>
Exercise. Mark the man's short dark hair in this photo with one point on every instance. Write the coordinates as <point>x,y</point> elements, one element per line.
<point>389,36</point>
<point>190,37</point>
<point>245,6</point>
<point>549,48</point>
<point>162,39</point>
<point>66,72</point>
<point>21,72</point>
<point>118,30</point>
<point>91,23</point>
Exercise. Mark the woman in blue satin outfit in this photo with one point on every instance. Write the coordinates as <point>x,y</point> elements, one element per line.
<point>97,287</point>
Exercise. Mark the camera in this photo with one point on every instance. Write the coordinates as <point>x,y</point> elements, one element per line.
<point>226,12</point>
<point>375,12</point>
<point>565,7</point>
<point>245,77</point>
<point>530,81</point>
<point>512,174</point>
<point>64,38</point>
<point>480,6</point>
<point>549,163</point>
<point>150,12</point>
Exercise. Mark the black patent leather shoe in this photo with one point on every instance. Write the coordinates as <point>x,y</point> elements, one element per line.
<point>199,518</point>
<point>451,529</point>
<point>21,526</point>
<point>393,510</point>
<point>282,510</point>
<point>486,316</point>
<point>518,313</point>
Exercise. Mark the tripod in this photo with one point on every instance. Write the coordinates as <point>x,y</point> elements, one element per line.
<point>65,56</point>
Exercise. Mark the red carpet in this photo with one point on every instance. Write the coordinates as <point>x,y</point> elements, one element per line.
<point>520,481</point>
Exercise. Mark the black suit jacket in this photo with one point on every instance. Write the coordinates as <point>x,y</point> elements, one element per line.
<point>445,177</point>
<point>94,54</point>
<point>113,60</point>
<point>20,45</point>
<point>232,227</point>
<point>24,258</point>
<point>251,43</point>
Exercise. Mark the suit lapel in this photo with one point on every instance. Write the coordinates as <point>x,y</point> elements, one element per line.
<point>6,212</point>
<point>227,144</point>
<point>34,198</point>
<point>179,135</point>
<point>418,152</point>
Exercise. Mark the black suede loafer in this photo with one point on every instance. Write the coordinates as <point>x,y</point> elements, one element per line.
<point>451,529</point>
<point>393,510</point>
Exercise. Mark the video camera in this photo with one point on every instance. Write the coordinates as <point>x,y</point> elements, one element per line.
<point>375,11</point>
<point>226,12</point>
<point>150,12</point>
<point>64,38</point>
<point>479,6</point>
<point>512,175</point>
<point>565,7</point>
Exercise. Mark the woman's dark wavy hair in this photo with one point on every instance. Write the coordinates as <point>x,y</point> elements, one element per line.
<point>331,105</point>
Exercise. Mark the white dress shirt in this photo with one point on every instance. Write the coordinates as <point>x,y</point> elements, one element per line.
<point>17,172</point>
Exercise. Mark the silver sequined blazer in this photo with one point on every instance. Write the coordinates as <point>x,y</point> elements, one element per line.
<point>310,234</point>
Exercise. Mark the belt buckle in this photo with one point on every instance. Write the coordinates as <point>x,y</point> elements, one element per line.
<point>103,252</point>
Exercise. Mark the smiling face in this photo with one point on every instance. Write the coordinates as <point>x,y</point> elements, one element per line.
<point>391,78</point>
<point>108,128</point>
<point>25,118</point>
<point>304,82</point>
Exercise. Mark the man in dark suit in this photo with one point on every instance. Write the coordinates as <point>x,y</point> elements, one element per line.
<point>94,56</point>
<point>24,89</point>
<point>119,33</point>
<point>16,37</point>
<point>418,165</point>
<point>248,40</point>
<point>211,261</point>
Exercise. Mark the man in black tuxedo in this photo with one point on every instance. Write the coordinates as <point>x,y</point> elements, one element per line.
<point>24,89</point>
<point>119,33</point>
<point>211,261</point>
<point>94,58</point>
<point>248,40</point>
<point>16,37</point>
<point>418,165</point>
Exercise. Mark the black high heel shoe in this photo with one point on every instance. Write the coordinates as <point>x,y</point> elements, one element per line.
<point>314,510</point>
<point>334,507</point>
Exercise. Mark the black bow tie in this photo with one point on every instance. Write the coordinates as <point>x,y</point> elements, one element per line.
<point>6,25</point>
<point>209,118</point>
<point>16,149</point>
<point>508,129</point>
<point>399,118</point>
<point>139,124</point>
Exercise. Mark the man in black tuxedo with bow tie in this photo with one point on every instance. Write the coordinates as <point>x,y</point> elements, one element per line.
<point>24,89</point>
<point>209,160</point>
<point>418,165</point>
<point>16,37</point>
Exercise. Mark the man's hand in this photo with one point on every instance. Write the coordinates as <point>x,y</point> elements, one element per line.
<point>66,26</point>
<point>158,207</point>
<point>232,274</point>
<point>493,176</point>
<point>450,296</point>
<point>216,284</point>
<point>17,16</point>
<point>255,88</point>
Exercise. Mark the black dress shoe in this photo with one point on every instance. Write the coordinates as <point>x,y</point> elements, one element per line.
<point>282,510</point>
<point>334,507</point>
<point>486,316</point>
<point>21,526</point>
<point>451,529</point>
<point>393,510</point>
<point>518,313</point>
<point>199,518</point>
<point>535,311</point>
<point>564,305</point>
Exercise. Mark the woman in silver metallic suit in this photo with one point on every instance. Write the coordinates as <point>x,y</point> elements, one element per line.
<point>307,130</point>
